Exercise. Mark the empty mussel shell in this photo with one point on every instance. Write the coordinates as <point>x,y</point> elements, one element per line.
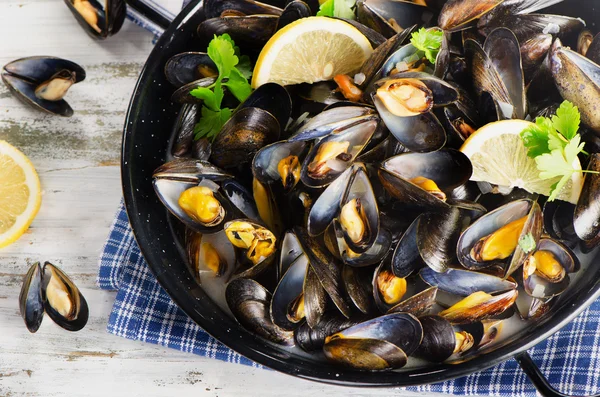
<point>464,283</point>
<point>391,17</point>
<point>31,304</point>
<point>63,301</point>
<point>249,302</point>
<point>479,306</point>
<point>42,82</point>
<point>357,282</point>
<point>418,305</point>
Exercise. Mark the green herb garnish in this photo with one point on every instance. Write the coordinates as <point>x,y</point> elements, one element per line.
<point>428,41</point>
<point>234,71</point>
<point>338,8</point>
<point>554,143</point>
<point>527,243</point>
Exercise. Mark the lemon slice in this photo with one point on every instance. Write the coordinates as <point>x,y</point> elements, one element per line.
<point>20,193</point>
<point>499,157</point>
<point>310,50</point>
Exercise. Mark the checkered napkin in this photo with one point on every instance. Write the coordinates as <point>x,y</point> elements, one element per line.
<point>143,311</point>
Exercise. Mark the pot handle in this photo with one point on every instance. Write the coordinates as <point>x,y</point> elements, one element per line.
<point>148,12</point>
<point>537,378</point>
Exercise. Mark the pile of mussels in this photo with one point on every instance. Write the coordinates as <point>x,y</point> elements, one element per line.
<point>353,227</point>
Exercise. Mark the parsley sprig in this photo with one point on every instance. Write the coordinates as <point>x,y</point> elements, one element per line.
<point>338,8</point>
<point>234,71</point>
<point>428,42</point>
<point>554,143</point>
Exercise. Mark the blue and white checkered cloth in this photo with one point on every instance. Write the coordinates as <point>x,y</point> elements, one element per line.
<point>143,311</point>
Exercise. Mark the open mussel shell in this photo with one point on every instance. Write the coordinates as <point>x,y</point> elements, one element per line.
<point>439,340</point>
<point>249,302</point>
<point>267,206</point>
<point>170,186</point>
<point>184,130</point>
<point>487,226</point>
<point>391,17</point>
<point>374,254</point>
<point>241,198</point>
<point>418,305</point>
<point>41,82</point>
<point>327,269</point>
<point>99,21</point>
<point>464,283</point>
<point>298,296</point>
<point>31,304</point>
<point>190,170</point>
<point>381,343</point>
<point>407,177</point>
<point>248,31</point>
<point>335,153</point>
<point>587,212</point>
<point>536,280</point>
<point>357,282</point>
<point>528,307</point>
<point>280,162</point>
<point>388,289</point>
<point>256,243</point>
<point>184,68</point>
<point>559,221</point>
<point>311,339</point>
<point>247,131</point>
<point>182,94</point>
<point>216,8</point>
<point>334,120</point>
<point>63,301</point>
<point>578,80</point>
<point>479,306</point>
<point>498,70</point>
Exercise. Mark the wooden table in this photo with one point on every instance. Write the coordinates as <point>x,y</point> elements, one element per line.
<point>78,162</point>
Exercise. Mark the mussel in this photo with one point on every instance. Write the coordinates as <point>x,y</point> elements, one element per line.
<point>42,82</point>
<point>479,306</point>
<point>441,340</point>
<point>48,289</point>
<point>257,244</point>
<point>99,21</point>
<point>382,343</point>
<point>391,17</point>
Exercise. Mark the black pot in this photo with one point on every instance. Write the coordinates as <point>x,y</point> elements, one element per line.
<point>146,138</point>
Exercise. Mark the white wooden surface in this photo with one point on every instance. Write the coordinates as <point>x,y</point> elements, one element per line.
<point>77,160</point>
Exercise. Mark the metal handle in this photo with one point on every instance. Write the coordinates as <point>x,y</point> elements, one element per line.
<point>156,18</point>
<point>537,378</point>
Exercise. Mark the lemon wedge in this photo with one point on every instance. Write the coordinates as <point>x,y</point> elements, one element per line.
<point>499,157</point>
<point>20,193</point>
<point>310,50</point>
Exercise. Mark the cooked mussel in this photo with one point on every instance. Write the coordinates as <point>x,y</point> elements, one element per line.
<point>281,162</point>
<point>248,31</point>
<point>99,21</point>
<point>479,306</point>
<point>256,243</point>
<point>187,67</point>
<point>441,340</point>
<point>31,304</point>
<point>42,82</point>
<point>374,254</point>
<point>249,302</point>
<point>191,192</point>
<point>299,294</point>
<point>381,343</point>
<point>425,180</point>
<point>404,102</point>
<point>334,121</point>
<point>494,238</point>
<point>388,289</point>
<point>545,271</point>
<point>63,302</point>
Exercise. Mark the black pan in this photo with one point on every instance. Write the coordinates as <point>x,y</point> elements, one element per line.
<point>146,137</point>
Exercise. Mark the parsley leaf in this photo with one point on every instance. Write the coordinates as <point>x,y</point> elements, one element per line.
<point>338,8</point>
<point>535,138</point>
<point>428,41</point>
<point>234,71</point>
<point>567,120</point>
<point>527,243</point>
<point>238,85</point>
<point>559,163</point>
<point>208,96</point>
